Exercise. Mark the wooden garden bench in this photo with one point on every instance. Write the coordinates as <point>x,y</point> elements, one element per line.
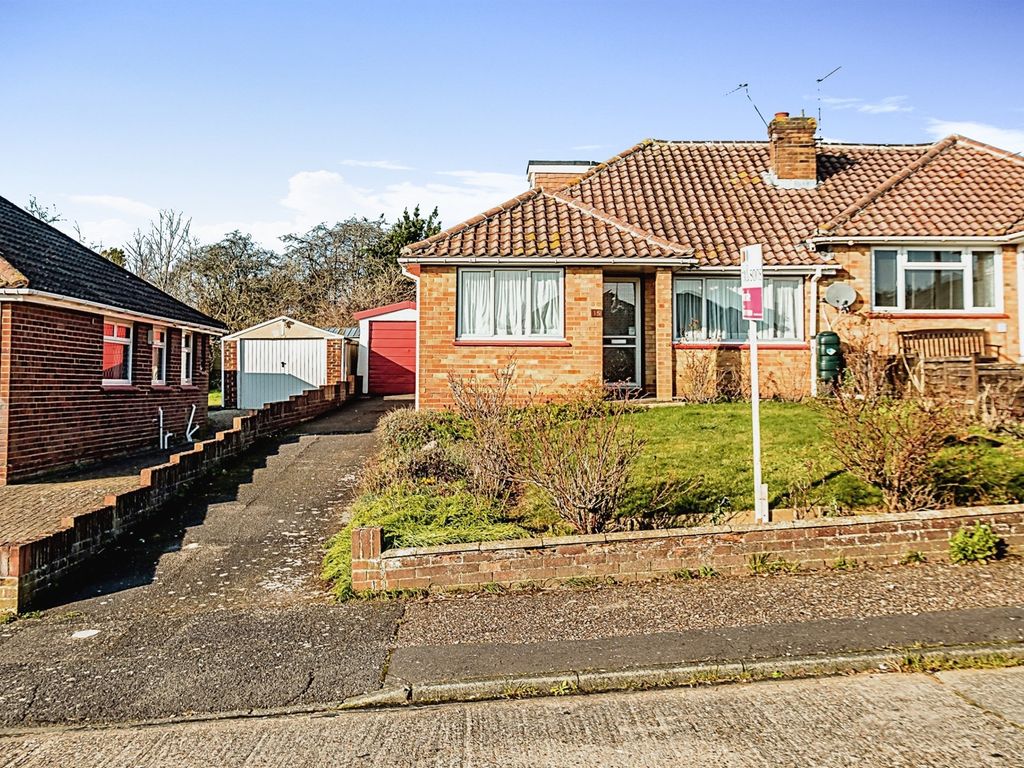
<point>945,347</point>
<point>946,344</point>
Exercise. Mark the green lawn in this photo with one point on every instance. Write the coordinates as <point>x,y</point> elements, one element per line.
<point>215,399</point>
<point>702,453</point>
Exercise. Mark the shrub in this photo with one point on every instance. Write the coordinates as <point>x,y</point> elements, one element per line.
<point>887,440</point>
<point>417,446</point>
<point>975,544</point>
<point>579,455</point>
<point>485,403</point>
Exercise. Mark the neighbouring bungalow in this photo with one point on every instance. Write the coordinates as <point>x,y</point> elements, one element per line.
<point>628,271</point>
<point>93,359</point>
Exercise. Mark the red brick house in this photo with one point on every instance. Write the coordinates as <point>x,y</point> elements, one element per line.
<point>89,354</point>
<point>628,271</point>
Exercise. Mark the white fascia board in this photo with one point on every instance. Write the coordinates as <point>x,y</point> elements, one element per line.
<point>781,269</point>
<point>94,307</point>
<point>321,332</point>
<point>922,239</point>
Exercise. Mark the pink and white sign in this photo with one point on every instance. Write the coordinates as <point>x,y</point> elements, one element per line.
<point>752,282</point>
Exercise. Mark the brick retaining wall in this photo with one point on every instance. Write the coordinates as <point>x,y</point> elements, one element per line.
<point>813,544</point>
<point>28,569</point>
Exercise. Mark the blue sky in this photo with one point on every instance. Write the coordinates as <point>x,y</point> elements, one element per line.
<point>271,117</point>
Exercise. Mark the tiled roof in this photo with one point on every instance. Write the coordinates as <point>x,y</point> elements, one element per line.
<point>959,188</point>
<point>712,198</point>
<point>539,224</point>
<point>35,255</point>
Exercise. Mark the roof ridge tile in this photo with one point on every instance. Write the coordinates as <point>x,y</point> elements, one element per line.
<point>10,277</point>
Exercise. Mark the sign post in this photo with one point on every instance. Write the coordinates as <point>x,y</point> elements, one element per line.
<point>752,288</point>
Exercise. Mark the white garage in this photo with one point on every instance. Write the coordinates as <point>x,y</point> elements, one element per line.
<point>276,359</point>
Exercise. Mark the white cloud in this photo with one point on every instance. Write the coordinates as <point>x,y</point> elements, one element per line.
<point>384,165</point>
<point>116,203</point>
<point>316,196</point>
<point>886,105</point>
<point>1011,139</point>
<point>883,106</point>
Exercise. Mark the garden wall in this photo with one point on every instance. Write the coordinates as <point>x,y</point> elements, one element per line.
<point>29,569</point>
<point>813,544</point>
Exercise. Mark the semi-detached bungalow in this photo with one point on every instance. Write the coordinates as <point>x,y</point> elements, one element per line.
<point>626,271</point>
<point>93,359</point>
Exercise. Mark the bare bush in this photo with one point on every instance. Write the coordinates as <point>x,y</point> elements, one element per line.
<point>486,403</point>
<point>888,441</point>
<point>579,454</point>
<point>1000,406</point>
<point>698,377</point>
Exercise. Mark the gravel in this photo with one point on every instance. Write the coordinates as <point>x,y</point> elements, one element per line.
<point>673,606</point>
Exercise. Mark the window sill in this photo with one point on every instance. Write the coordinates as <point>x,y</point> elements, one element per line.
<point>936,315</point>
<point>740,345</point>
<point>511,343</point>
<point>119,388</point>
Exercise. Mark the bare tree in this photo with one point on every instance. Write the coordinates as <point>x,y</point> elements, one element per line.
<point>47,213</point>
<point>160,254</point>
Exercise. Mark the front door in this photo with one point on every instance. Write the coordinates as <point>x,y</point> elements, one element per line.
<point>622,332</point>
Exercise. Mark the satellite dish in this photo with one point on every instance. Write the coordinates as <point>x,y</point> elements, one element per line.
<point>840,295</point>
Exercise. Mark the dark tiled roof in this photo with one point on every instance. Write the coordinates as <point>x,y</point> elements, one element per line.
<point>48,260</point>
<point>712,198</point>
<point>538,223</point>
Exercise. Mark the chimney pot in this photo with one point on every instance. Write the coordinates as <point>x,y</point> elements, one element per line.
<point>781,115</point>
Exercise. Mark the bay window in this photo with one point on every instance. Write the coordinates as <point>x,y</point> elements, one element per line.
<point>711,309</point>
<point>934,280</point>
<point>510,303</point>
<point>117,352</point>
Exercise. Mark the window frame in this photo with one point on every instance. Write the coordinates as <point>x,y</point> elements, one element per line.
<point>558,335</point>
<point>162,346</point>
<point>965,266</point>
<point>188,352</point>
<point>801,323</point>
<point>127,342</point>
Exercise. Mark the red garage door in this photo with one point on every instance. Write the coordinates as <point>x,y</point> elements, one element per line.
<point>392,357</point>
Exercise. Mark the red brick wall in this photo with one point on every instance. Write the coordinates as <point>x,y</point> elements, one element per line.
<point>229,361</point>
<point>540,368</point>
<point>813,544</point>
<point>56,410</point>
<point>1001,328</point>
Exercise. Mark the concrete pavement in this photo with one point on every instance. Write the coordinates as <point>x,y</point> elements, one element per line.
<point>216,606</point>
<point>949,720</point>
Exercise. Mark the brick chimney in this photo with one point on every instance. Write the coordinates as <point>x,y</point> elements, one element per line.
<point>792,154</point>
<point>550,175</point>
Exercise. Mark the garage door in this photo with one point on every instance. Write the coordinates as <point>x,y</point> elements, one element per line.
<point>271,370</point>
<point>392,364</point>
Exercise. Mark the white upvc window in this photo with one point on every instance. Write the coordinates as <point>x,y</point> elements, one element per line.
<point>159,347</point>
<point>924,279</point>
<point>187,357</point>
<point>510,304</point>
<point>117,353</point>
<point>711,309</point>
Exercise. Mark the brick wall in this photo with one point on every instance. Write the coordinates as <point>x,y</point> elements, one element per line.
<point>230,366</point>
<point>541,368</point>
<point>791,147</point>
<point>553,181</point>
<point>1002,328</point>
<point>56,413</point>
<point>813,544</point>
<point>29,569</point>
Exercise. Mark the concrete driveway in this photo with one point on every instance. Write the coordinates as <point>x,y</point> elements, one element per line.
<point>218,605</point>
